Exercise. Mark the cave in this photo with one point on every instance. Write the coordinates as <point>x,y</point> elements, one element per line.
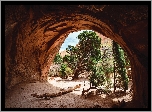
<point>35,33</point>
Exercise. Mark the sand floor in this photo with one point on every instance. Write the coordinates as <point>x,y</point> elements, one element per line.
<point>20,95</point>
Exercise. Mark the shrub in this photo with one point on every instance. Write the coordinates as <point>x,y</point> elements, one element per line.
<point>54,70</point>
<point>68,71</point>
<point>63,71</point>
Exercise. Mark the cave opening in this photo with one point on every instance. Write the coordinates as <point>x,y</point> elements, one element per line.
<point>55,78</point>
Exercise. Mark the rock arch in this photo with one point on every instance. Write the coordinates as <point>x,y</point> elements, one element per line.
<point>34,34</point>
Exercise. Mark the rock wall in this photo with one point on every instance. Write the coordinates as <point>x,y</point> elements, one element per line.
<point>34,34</point>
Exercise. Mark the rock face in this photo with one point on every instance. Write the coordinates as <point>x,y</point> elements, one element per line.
<point>34,34</point>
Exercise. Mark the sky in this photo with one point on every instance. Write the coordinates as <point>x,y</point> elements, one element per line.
<point>71,40</point>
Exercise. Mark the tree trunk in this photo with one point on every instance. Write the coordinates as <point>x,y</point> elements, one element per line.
<point>76,74</point>
<point>114,78</point>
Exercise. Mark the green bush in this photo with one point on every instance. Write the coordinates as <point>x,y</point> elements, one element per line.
<point>68,71</point>
<point>63,71</point>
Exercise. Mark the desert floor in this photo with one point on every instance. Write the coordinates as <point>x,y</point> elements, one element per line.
<point>20,95</point>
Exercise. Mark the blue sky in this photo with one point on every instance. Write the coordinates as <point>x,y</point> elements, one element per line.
<point>71,40</point>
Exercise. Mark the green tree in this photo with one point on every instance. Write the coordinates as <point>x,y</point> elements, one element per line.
<point>63,70</point>
<point>120,60</point>
<point>105,66</point>
<point>87,52</point>
<point>68,71</point>
<point>71,59</point>
<point>58,59</point>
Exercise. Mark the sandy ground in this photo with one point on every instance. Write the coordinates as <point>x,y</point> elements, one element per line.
<point>20,95</point>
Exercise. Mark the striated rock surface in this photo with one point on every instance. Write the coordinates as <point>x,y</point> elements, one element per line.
<point>34,34</point>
